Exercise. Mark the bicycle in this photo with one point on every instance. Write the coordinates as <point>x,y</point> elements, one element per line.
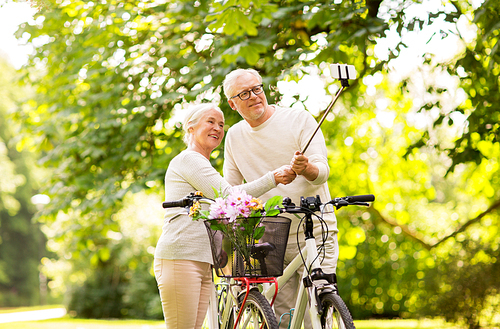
<point>236,301</point>
<point>242,298</point>
<point>318,289</point>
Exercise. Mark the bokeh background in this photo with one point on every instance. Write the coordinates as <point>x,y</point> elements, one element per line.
<point>89,120</point>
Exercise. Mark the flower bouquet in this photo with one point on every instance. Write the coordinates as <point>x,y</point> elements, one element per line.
<point>243,220</point>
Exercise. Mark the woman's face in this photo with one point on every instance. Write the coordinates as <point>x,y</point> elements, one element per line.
<point>209,131</point>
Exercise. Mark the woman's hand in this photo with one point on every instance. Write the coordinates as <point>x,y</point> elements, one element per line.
<point>284,175</point>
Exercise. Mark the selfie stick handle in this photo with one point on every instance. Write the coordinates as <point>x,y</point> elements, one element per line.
<point>344,85</point>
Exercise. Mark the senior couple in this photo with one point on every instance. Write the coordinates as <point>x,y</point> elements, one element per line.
<point>263,150</point>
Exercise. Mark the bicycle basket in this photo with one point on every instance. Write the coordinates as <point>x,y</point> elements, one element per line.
<point>266,255</point>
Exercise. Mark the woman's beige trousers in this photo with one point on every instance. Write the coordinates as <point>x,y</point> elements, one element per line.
<point>184,287</point>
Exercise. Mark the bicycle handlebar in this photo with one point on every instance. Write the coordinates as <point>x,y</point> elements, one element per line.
<point>308,204</point>
<point>185,202</point>
<point>360,198</point>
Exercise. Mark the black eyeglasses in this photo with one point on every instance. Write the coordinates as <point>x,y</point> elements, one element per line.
<point>244,95</point>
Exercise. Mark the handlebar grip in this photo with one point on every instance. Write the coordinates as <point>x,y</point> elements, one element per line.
<point>179,203</point>
<point>361,198</point>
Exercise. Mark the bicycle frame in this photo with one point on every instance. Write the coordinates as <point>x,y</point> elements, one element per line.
<point>246,284</point>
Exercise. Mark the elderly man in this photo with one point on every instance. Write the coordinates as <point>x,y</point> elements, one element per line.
<point>268,137</point>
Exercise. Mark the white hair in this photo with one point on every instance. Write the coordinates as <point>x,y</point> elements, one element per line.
<point>231,78</point>
<point>193,117</point>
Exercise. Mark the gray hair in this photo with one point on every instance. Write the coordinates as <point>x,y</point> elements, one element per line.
<point>193,117</point>
<point>231,78</point>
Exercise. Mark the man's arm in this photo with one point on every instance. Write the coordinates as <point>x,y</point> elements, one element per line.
<point>314,164</point>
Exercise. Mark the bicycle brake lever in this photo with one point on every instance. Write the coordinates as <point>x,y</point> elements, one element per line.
<point>360,204</point>
<point>341,203</point>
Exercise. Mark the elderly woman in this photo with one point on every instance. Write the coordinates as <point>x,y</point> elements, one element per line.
<point>183,254</point>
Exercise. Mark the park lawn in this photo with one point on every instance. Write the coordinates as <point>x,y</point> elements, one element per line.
<point>403,324</point>
<point>28,308</point>
<point>68,323</point>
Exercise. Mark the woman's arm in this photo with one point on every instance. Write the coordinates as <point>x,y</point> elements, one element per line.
<point>200,174</point>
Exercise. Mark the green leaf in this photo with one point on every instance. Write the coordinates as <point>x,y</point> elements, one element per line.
<point>252,221</point>
<point>271,204</point>
<point>259,232</point>
<point>217,227</point>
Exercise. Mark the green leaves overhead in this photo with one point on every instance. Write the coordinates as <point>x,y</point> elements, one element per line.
<point>117,75</point>
<point>240,18</point>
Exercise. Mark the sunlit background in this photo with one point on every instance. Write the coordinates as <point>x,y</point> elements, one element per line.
<point>140,220</point>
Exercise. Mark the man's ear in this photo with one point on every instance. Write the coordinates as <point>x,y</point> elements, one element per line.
<point>231,104</point>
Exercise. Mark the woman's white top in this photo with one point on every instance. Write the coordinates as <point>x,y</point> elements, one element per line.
<point>183,238</point>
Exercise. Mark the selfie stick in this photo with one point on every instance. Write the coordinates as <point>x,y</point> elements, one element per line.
<point>345,83</point>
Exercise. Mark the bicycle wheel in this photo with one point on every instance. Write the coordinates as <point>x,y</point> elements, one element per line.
<point>257,313</point>
<point>335,312</point>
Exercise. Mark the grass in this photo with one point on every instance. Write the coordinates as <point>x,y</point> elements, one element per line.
<point>67,322</point>
<point>28,308</point>
<point>403,324</point>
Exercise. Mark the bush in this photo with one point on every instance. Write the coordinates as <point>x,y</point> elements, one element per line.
<point>463,291</point>
<point>117,290</point>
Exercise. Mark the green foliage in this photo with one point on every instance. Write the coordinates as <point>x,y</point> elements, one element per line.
<point>113,77</point>
<point>118,290</point>
<point>398,258</point>
<point>112,268</point>
<point>271,206</point>
<point>21,241</point>
<point>102,294</point>
<point>380,270</point>
<point>478,68</point>
<point>472,284</point>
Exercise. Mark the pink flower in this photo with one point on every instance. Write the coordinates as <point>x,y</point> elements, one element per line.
<point>240,202</point>
<point>232,213</point>
<point>218,209</point>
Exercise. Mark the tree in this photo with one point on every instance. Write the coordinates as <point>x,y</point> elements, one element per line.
<point>114,75</point>
<point>20,236</point>
<point>478,69</point>
<point>421,247</point>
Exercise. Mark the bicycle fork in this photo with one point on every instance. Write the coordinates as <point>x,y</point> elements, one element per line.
<point>313,285</point>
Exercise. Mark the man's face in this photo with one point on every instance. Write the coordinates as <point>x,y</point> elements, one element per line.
<point>253,109</point>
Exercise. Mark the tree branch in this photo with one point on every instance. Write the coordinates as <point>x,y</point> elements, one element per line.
<point>462,228</point>
<point>419,237</point>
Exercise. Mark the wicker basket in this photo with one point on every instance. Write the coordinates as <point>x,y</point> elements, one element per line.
<point>267,254</point>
